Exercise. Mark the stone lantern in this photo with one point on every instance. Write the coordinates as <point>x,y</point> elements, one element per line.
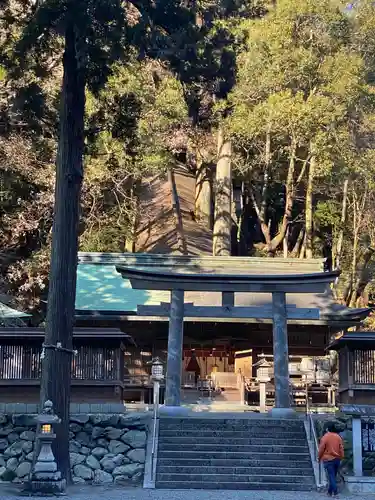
<point>157,370</point>
<point>263,377</point>
<point>157,375</point>
<point>45,479</point>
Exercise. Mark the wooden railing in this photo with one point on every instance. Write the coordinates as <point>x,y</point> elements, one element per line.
<point>19,362</point>
<point>225,380</point>
<point>95,363</point>
<point>364,367</point>
<point>137,380</point>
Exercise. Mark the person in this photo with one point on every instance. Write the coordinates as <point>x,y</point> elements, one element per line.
<point>331,452</point>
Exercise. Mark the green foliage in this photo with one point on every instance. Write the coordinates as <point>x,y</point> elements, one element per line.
<point>128,118</point>
<point>305,83</point>
<point>328,213</point>
<point>139,118</point>
<point>160,77</point>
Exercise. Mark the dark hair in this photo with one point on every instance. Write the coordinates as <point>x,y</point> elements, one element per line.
<point>331,427</point>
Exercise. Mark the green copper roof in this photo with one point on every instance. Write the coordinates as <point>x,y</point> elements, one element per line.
<point>101,288</point>
<point>7,312</point>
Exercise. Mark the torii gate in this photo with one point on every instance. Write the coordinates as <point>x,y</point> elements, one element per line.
<point>177,282</point>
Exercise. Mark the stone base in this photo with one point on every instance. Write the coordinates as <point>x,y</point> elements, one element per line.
<point>174,410</point>
<point>45,467</point>
<point>46,476</point>
<point>283,413</point>
<point>360,484</point>
<point>45,488</point>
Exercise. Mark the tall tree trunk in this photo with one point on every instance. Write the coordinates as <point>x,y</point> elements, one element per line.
<point>261,209</point>
<point>286,244</point>
<point>241,222</point>
<point>177,213</point>
<point>363,278</point>
<point>203,192</point>
<point>56,367</point>
<point>353,270</point>
<point>302,251</point>
<point>297,247</point>
<point>309,209</point>
<point>289,200</point>
<point>340,238</point>
<point>130,239</point>
<point>266,182</point>
<point>223,199</point>
<point>355,279</point>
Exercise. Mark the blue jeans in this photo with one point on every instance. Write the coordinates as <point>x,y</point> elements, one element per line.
<point>332,468</point>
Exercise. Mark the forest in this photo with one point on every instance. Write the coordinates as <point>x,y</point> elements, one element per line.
<point>272,101</point>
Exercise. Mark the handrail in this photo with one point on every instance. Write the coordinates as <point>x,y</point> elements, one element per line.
<point>315,446</point>
<point>154,427</point>
<point>153,445</point>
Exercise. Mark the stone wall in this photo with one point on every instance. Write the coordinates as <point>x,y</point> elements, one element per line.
<point>343,425</point>
<point>104,448</point>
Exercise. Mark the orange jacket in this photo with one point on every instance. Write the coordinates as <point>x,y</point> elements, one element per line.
<point>331,447</point>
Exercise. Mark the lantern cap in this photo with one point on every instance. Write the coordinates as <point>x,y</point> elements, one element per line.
<point>262,362</point>
<point>157,361</point>
<point>47,415</point>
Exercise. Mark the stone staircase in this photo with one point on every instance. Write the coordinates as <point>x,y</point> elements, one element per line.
<point>233,454</point>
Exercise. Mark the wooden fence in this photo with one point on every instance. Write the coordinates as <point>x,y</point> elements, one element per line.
<point>364,367</point>
<point>18,362</point>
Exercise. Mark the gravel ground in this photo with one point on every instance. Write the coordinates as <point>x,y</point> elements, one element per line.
<point>111,493</point>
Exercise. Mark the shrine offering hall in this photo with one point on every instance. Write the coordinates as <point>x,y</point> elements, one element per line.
<point>220,325</point>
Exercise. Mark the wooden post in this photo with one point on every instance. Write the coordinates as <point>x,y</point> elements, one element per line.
<point>227,299</point>
<point>280,353</point>
<point>243,400</point>
<point>262,397</point>
<point>175,344</point>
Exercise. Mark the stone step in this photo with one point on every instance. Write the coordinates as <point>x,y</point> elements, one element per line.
<point>222,426</point>
<point>233,455</point>
<point>302,461</point>
<point>251,432</point>
<point>232,486</point>
<point>237,470</point>
<point>198,423</point>
<point>220,440</point>
<point>235,478</point>
<point>262,419</point>
<point>217,447</point>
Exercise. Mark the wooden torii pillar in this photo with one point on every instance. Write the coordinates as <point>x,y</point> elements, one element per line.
<point>175,346</point>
